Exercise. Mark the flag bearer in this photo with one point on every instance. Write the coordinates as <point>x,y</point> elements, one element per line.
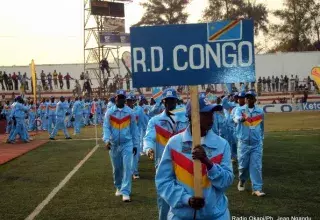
<point>174,178</point>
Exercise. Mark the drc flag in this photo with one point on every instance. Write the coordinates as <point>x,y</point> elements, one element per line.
<point>224,31</point>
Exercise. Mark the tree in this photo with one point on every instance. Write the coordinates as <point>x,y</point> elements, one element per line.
<point>161,12</point>
<point>235,9</point>
<point>298,22</point>
<point>315,18</point>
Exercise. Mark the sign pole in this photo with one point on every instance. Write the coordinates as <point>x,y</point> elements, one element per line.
<point>196,139</point>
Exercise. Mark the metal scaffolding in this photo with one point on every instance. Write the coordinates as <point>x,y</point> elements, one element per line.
<point>94,52</point>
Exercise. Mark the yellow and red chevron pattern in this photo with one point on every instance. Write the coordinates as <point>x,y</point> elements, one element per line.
<point>224,30</point>
<point>252,121</point>
<point>183,168</point>
<point>157,95</point>
<point>120,123</point>
<point>162,135</point>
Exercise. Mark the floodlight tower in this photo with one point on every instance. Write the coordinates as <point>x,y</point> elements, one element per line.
<point>96,14</point>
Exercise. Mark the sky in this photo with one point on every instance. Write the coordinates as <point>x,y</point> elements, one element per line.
<point>52,32</point>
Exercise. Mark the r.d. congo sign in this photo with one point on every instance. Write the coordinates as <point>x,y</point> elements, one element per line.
<point>193,54</point>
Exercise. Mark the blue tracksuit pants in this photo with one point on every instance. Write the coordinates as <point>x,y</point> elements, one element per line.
<point>121,159</point>
<point>250,164</point>
<point>60,125</point>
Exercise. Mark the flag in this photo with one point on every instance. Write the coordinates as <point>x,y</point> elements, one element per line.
<point>93,108</point>
<point>157,94</point>
<point>34,80</point>
<point>224,31</point>
<point>315,73</point>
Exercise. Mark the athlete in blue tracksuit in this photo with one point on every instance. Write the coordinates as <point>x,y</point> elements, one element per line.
<point>17,116</point>
<point>69,111</point>
<point>240,101</point>
<point>141,123</point>
<point>6,111</point>
<point>159,130</point>
<point>86,112</point>
<point>32,114</point>
<point>77,114</point>
<point>174,177</point>
<point>61,112</point>
<point>51,114</point>
<point>120,134</point>
<point>42,110</point>
<point>250,122</point>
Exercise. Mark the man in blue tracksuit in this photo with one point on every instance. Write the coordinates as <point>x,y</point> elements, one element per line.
<point>61,112</point>
<point>86,112</point>
<point>17,116</point>
<point>32,116</point>
<point>159,130</point>
<point>141,123</point>
<point>77,114</point>
<point>6,111</point>
<point>51,114</point>
<point>42,110</point>
<point>250,122</point>
<point>120,135</point>
<point>175,179</point>
<point>240,101</point>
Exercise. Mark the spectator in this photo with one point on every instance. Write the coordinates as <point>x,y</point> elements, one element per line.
<point>277,83</point>
<point>10,83</point>
<point>6,80</point>
<point>104,65</point>
<point>297,83</point>
<point>67,78</point>
<point>1,81</point>
<point>274,102</point>
<point>25,79</point>
<point>49,77</point>
<point>14,77</point>
<point>268,83</point>
<point>309,83</point>
<point>87,88</point>
<point>105,83</point>
<point>19,77</point>
<point>55,79</point>
<point>87,77</point>
<point>24,82</point>
<point>43,78</point>
<point>281,84</point>
<point>60,77</point>
<point>82,76</point>
<point>273,83</point>
<point>252,86</point>
<point>264,82</point>
<point>292,84</point>
<point>128,81</point>
<point>286,83</point>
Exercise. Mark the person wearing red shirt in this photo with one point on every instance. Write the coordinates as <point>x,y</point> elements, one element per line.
<point>67,78</point>
<point>60,77</point>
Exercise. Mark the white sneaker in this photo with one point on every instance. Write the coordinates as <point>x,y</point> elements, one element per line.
<point>126,198</point>
<point>135,177</point>
<point>241,186</point>
<point>118,193</point>
<point>258,193</point>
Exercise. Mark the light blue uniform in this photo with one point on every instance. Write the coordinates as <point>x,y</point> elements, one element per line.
<point>62,108</point>
<point>160,128</point>
<point>7,112</point>
<point>32,117</point>
<point>86,113</point>
<point>77,112</point>
<point>141,125</point>
<point>174,180</point>
<point>42,110</point>
<point>19,113</point>
<point>120,130</point>
<point>250,135</point>
<point>51,114</point>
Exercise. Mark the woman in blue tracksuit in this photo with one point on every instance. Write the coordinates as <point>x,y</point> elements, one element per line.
<point>250,135</point>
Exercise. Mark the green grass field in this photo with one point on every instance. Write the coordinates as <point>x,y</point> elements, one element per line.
<point>291,172</point>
